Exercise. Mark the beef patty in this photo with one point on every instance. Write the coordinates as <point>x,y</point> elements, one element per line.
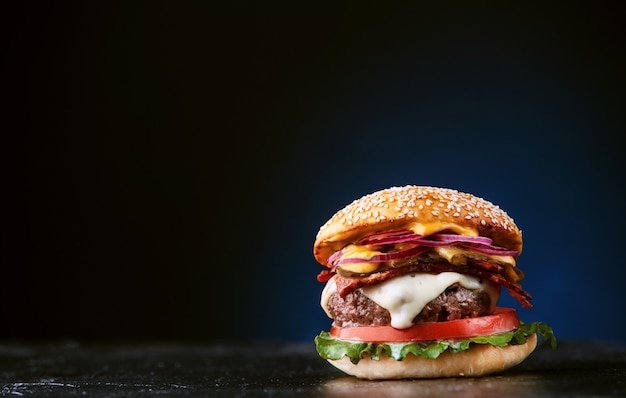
<point>456,302</point>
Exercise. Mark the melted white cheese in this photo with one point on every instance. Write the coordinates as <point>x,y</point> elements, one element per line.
<point>407,295</point>
<point>329,290</point>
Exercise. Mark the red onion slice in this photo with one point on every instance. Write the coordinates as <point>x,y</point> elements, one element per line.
<point>383,257</point>
<point>393,240</point>
<point>462,238</point>
<point>388,237</point>
<point>432,243</point>
<point>488,249</point>
<point>480,244</point>
<point>332,258</point>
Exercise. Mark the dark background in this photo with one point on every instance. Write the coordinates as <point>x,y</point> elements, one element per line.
<point>168,164</point>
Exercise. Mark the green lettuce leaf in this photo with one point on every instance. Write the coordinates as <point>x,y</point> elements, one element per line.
<point>329,347</point>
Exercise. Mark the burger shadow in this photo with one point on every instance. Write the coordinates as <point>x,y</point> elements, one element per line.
<point>568,371</point>
<point>506,384</point>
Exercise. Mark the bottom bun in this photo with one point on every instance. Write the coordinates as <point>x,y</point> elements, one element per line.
<point>478,360</point>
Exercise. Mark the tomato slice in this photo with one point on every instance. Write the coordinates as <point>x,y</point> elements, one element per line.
<point>502,320</point>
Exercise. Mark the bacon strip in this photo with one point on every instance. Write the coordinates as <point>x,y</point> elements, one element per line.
<point>514,288</point>
<point>488,265</point>
<point>481,269</point>
<point>325,275</point>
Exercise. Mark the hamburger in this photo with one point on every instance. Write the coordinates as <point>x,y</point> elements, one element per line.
<point>412,280</point>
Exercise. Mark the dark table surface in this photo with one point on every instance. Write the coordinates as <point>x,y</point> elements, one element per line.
<point>274,369</point>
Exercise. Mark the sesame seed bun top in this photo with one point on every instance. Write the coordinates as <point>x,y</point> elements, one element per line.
<point>402,207</point>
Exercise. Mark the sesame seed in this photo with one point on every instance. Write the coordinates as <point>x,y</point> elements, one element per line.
<point>409,202</point>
